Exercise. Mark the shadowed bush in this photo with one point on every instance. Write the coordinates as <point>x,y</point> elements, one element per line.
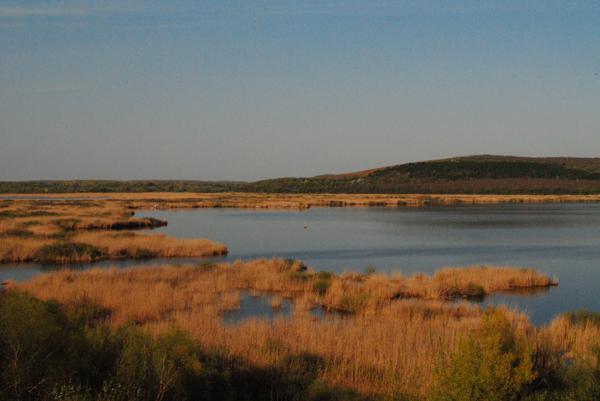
<point>34,346</point>
<point>583,317</point>
<point>51,352</point>
<point>19,233</point>
<point>68,252</point>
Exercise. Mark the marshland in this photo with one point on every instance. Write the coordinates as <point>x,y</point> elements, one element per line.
<point>332,200</point>
<point>344,323</point>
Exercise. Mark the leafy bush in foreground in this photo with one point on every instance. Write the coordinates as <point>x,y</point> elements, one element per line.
<point>490,365</point>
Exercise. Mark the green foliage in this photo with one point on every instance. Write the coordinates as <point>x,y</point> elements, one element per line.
<point>294,265</point>
<point>51,352</point>
<point>584,317</point>
<point>321,282</point>
<point>353,302</point>
<point>19,233</point>
<point>67,224</point>
<point>207,266</point>
<point>584,381</point>
<point>489,365</point>
<point>478,175</point>
<point>68,251</point>
<point>320,286</point>
<point>136,253</point>
<point>461,169</point>
<point>65,186</point>
<point>33,345</point>
<point>148,369</point>
<point>69,353</point>
<point>370,270</point>
<point>24,213</point>
<point>471,291</point>
<point>474,174</point>
<point>578,381</point>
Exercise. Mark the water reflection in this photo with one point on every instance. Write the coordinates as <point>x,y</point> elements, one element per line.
<point>268,307</point>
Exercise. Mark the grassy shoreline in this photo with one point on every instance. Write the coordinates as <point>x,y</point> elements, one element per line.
<point>87,231</point>
<point>172,200</point>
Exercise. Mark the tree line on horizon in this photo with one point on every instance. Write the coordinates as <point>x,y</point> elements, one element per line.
<point>469,175</point>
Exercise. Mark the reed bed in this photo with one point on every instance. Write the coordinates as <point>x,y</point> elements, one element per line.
<point>304,201</point>
<point>85,231</point>
<point>171,200</point>
<point>95,246</point>
<point>389,345</point>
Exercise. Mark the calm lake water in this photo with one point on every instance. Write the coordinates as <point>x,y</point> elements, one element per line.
<point>562,240</point>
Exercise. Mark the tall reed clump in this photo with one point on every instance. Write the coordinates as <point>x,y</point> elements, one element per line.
<point>482,280</point>
<point>389,346</point>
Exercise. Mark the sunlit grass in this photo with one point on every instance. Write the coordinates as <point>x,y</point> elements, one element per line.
<point>391,342</point>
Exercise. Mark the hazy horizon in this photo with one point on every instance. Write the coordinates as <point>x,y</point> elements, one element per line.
<point>236,91</point>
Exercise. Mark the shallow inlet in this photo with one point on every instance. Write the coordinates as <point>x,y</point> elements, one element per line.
<point>259,306</point>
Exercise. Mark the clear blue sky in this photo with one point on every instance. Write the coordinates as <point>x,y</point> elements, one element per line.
<point>252,89</point>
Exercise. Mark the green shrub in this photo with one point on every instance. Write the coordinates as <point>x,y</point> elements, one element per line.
<point>157,369</point>
<point>474,291</point>
<point>583,317</point>
<point>207,266</point>
<point>320,286</point>
<point>294,265</point>
<point>33,346</point>
<point>19,233</point>
<point>136,253</point>
<point>471,291</point>
<point>322,282</point>
<point>353,302</point>
<point>583,381</point>
<point>297,276</point>
<point>68,252</point>
<point>370,270</point>
<point>492,364</point>
<point>69,353</point>
<point>67,224</point>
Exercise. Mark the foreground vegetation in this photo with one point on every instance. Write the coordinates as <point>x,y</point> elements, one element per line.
<point>157,333</point>
<point>84,231</point>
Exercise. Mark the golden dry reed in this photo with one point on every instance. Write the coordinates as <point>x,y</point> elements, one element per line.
<point>389,345</point>
<point>171,200</point>
<point>83,231</point>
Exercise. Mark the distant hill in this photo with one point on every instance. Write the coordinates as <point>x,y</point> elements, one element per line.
<point>470,174</point>
<point>483,174</point>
